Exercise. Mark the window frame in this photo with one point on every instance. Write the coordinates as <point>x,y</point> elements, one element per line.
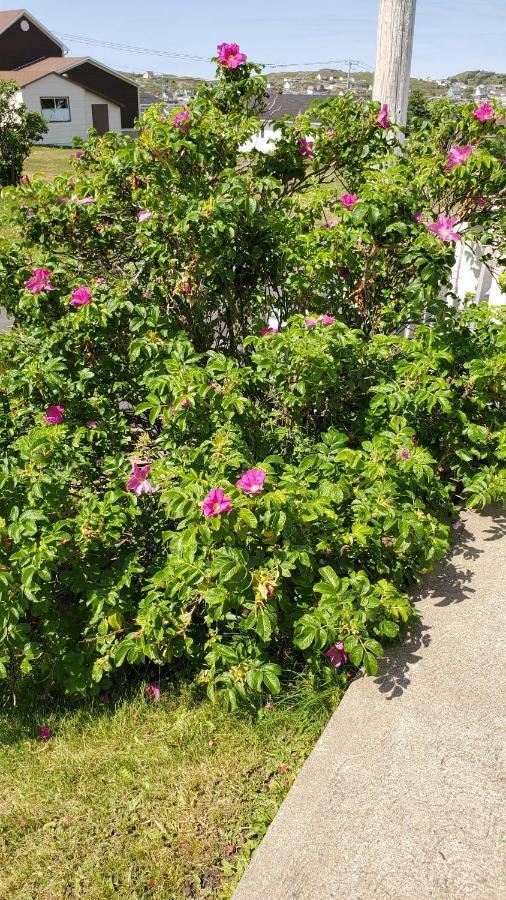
<point>54,98</point>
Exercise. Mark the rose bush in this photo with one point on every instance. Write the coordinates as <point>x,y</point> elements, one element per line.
<point>183,482</point>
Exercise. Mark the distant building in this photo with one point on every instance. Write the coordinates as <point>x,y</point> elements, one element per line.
<point>147,99</point>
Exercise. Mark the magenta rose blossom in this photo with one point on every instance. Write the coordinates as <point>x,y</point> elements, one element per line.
<point>138,481</point>
<point>336,655</point>
<point>330,224</point>
<point>45,733</point>
<point>404,453</point>
<point>91,424</point>
<point>305,148</point>
<point>484,112</point>
<point>268,329</point>
<point>419,217</point>
<point>144,215</point>
<point>328,320</point>
<point>78,154</point>
<point>181,120</point>
<point>444,228</point>
<point>81,296</point>
<point>310,323</point>
<point>54,415</point>
<point>349,200</point>
<point>457,156</point>
<point>383,121</point>
<point>153,692</point>
<point>252,481</point>
<point>230,56</point>
<point>40,281</point>
<point>215,503</point>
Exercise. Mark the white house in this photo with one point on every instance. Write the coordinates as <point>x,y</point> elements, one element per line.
<point>73,94</point>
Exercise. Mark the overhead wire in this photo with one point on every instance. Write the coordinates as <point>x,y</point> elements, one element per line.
<point>175,54</point>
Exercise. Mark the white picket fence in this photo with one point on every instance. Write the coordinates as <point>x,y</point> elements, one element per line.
<point>473,281</point>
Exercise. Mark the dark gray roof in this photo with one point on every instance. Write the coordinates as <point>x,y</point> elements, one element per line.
<point>147,98</point>
<point>280,105</point>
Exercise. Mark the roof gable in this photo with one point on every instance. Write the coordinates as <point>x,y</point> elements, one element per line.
<point>9,17</point>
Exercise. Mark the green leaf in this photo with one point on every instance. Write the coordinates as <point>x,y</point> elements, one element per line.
<point>356,655</point>
<point>370,663</point>
<point>271,682</point>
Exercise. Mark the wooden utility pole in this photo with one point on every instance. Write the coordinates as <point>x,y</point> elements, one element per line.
<point>393,56</point>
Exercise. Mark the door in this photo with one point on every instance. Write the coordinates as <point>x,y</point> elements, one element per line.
<point>100,117</point>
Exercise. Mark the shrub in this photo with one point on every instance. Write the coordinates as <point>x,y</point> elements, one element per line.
<point>19,129</point>
<point>137,390</point>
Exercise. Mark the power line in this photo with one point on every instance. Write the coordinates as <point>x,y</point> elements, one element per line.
<point>173,54</point>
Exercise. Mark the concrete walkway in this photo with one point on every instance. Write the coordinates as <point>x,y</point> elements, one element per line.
<point>401,797</point>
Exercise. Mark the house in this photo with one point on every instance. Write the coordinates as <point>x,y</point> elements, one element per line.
<point>147,99</point>
<point>278,106</point>
<point>72,93</point>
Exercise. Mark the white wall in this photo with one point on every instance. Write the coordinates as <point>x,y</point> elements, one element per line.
<point>472,277</point>
<point>80,101</point>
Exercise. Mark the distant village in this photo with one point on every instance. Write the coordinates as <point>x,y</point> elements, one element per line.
<point>479,86</point>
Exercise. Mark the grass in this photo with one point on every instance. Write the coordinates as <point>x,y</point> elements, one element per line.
<point>44,163</point>
<point>48,162</point>
<point>141,800</point>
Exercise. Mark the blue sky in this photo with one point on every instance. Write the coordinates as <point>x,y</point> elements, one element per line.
<point>450,36</point>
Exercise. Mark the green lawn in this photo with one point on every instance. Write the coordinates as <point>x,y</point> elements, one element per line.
<point>143,800</point>
<point>48,161</point>
<point>45,163</point>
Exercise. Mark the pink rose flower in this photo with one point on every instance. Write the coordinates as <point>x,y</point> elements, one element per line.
<point>45,733</point>
<point>185,404</point>
<point>330,224</point>
<point>54,415</point>
<point>138,481</point>
<point>81,296</point>
<point>419,217</point>
<point>310,323</point>
<point>443,228</point>
<point>230,56</point>
<point>383,121</point>
<point>457,155</point>
<point>252,481</point>
<point>153,692</point>
<point>40,281</point>
<point>84,201</point>
<point>305,147</point>
<point>336,655</point>
<point>268,329</point>
<point>91,424</point>
<point>457,525</point>
<point>404,453</point>
<point>349,200</point>
<point>215,503</point>
<point>484,112</point>
<point>181,120</point>
<point>144,215</point>
<point>78,154</point>
<point>328,320</point>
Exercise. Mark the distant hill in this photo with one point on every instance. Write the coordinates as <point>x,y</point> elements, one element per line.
<point>331,82</point>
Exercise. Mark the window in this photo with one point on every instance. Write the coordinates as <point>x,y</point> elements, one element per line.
<point>55,109</point>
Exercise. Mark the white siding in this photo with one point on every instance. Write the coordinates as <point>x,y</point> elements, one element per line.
<point>80,101</point>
